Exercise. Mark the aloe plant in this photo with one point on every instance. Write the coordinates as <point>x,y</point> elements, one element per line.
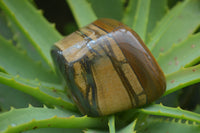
<point>32,96</point>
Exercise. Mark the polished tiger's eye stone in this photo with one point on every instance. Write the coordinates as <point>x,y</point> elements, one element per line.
<point>108,68</point>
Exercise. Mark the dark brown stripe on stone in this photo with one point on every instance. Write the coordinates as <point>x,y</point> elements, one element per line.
<point>117,66</point>
<point>142,62</point>
<point>86,66</point>
<point>134,71</point>
<point>121,75</point>
<point>108,25</point>
<point>124,80</point>
<point>100,27</point>
<point>139,57</point>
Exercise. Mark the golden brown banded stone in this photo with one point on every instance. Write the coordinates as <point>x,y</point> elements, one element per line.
<point>108,68</point>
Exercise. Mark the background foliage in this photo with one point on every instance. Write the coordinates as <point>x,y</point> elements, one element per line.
<point>32,96</point>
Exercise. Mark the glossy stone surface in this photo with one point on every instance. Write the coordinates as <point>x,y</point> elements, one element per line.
<point>108,68</point>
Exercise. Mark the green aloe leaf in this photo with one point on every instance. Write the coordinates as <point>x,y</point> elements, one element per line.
<point>111,124</point>
<point>175,26</point>
<point>16,62</point>
<point>157,11</point>
<point>175,58</point>
<point>10,97</point>
<point>21,42</point>
<point>129,13</point>
<point>33,25</point>
<point>161,110</point>
<point>54,130</point>
<point>95,131</point>
<point>2,70</point>
<point>106,12</point>
<point>129,128</point>
<point>141,18</point>
<point>49,96</point>
<point>197,109</point>
<point>82,11</point>
<point>182,78</point>
<point>165,126</point>
<point>5,30</point>
<point>18,120</point>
